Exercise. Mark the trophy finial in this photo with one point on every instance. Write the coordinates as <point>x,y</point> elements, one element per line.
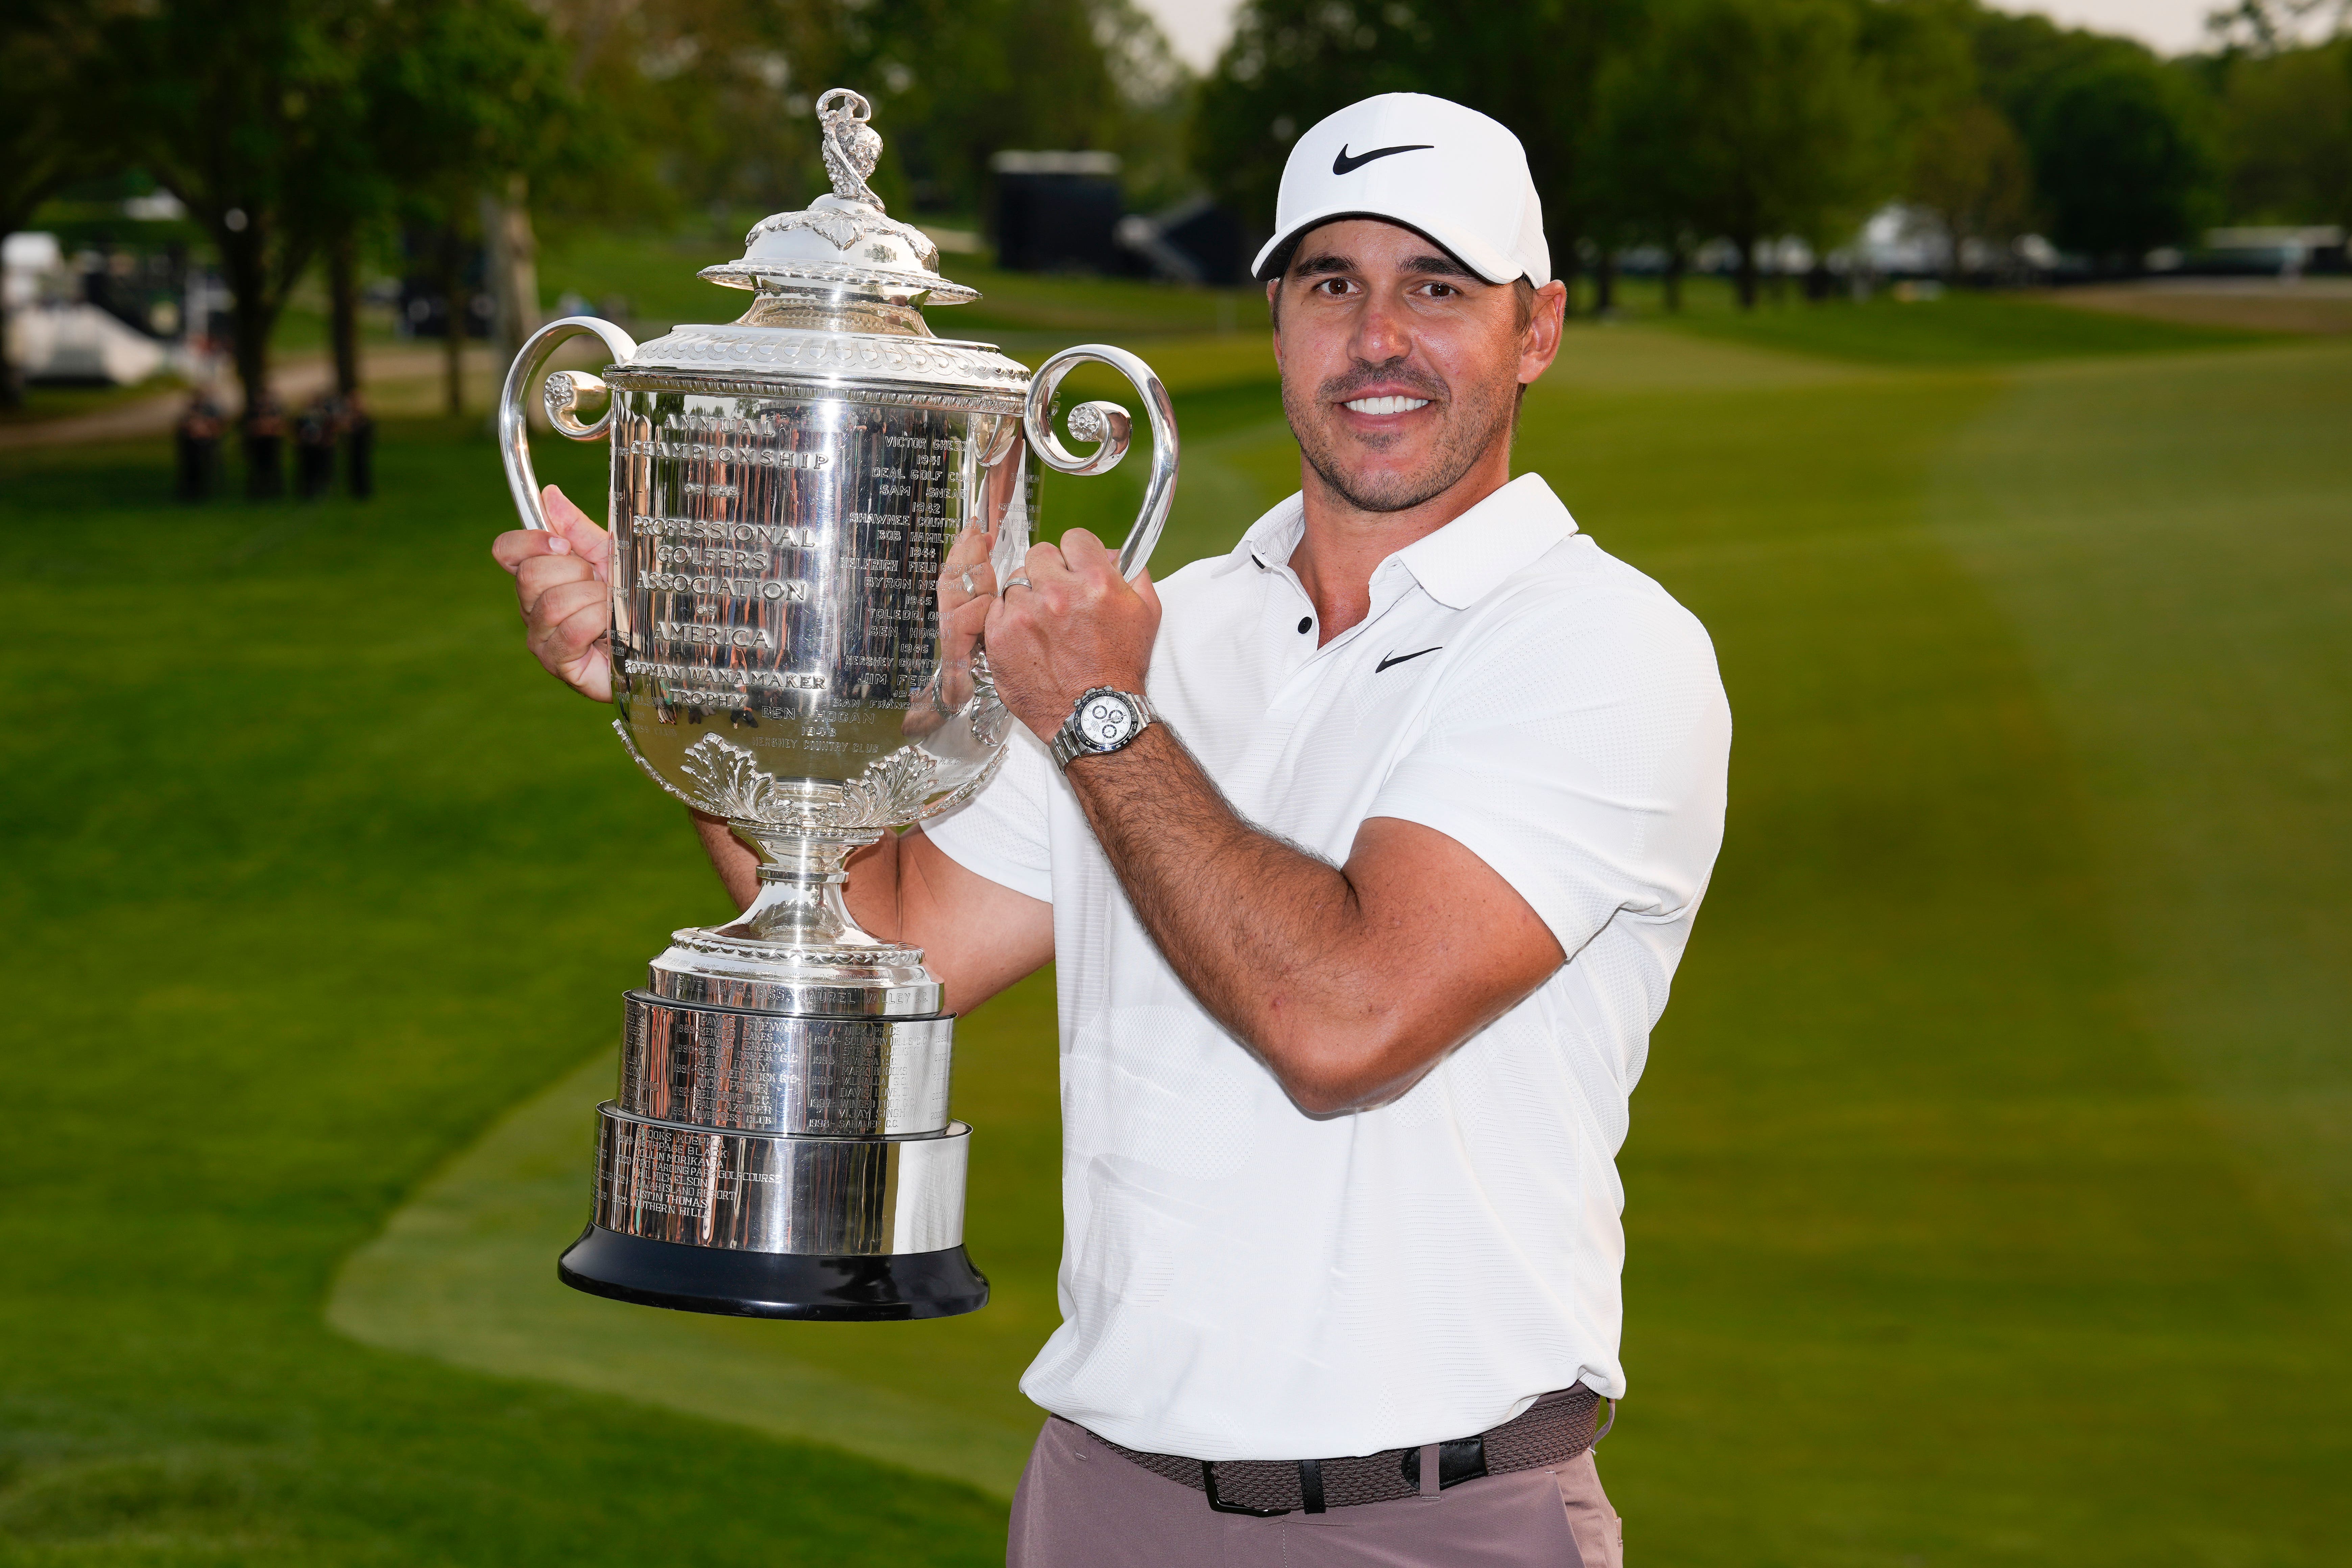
<point>852,147</point>
<point>845,240</point>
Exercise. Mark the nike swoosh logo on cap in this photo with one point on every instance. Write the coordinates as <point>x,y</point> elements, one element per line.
<point>1343,164</point>
<point>1402,658</point>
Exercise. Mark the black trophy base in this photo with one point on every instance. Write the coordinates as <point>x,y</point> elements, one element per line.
<point>893,1288</point>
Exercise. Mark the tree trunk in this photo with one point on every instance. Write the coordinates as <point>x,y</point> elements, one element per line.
<point>249,344</point>
<point>1747,271</point>
<point>1677,262</point>
<point>343,293</point>
<point>12,385</point>
<point>1605,281</point>
<point>513,263</point>
<point>455,313</point>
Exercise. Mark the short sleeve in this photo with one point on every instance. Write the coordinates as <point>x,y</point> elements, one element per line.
<point>1578,747</point>
<point>1001,831</point>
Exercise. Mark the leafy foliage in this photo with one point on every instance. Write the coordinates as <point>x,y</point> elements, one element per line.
<point>2286,130</point>
<point>2123,160</point>
<point>1533,67</point>
<point>49,54</point>
<point>712,99</point>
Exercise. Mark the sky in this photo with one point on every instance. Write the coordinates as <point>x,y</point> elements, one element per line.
<point>1198,28</point>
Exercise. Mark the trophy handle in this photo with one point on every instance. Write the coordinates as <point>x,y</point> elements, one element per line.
<point>563,390</point>
<point>1107,424</point>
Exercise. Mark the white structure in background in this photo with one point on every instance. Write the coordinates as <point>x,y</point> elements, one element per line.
<point>2286,251</point>
<point>1903,240</point>
<point>155,206</point>
<point>80,342</point>
<point>51,338</point>
<point>30,263</point>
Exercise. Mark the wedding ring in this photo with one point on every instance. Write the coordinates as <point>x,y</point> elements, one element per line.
<point>1014,583</point>
<point>968,588</point>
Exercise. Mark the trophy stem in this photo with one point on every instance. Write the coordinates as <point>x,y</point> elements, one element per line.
<point>801,877</point>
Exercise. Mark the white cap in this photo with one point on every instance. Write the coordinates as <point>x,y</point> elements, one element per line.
<point>1425,163</point>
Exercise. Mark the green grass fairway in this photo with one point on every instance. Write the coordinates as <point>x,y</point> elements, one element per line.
<point>1955,329</point>
<point>1989,1194</point>
<point>308,884</point>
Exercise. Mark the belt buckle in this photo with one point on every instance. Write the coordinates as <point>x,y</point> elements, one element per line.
<point>1209,1483</point>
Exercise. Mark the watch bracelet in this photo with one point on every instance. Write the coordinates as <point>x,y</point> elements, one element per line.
<point>1065,748</point>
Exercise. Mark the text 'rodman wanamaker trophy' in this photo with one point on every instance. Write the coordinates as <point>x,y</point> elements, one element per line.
<point>787,491</point>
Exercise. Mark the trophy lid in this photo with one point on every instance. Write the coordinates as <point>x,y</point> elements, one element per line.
<point>843,243</point>
<point>840,288</point>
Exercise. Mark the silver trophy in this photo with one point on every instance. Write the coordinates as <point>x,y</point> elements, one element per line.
<point>785,490</point>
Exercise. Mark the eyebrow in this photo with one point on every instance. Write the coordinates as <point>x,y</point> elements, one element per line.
<point>1436,265</point>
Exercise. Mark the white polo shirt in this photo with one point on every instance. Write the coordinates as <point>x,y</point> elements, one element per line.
<point>1239,1281</point>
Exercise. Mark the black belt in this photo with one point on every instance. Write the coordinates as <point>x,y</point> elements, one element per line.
<point>1556,1428</point>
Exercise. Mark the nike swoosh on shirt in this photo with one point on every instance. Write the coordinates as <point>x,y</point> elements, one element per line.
<point>1343,164</point>
<point>1400,657</point>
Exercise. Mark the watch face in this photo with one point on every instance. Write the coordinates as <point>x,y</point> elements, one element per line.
<point>1106,721</point>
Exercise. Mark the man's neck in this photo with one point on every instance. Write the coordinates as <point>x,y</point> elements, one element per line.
<point>1342,544</point>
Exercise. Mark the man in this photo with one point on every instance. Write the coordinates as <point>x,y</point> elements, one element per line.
<point>1362,921</point>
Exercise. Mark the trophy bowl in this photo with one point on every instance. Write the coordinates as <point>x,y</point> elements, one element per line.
<point>800,501</point>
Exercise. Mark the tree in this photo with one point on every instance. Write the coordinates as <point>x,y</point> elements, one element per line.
<point>711,98</point>
<point>47,135</point>
<point>1970,169</point>
<point>1767,112</point>
<point>287,127</point>
<point>1647,182</point>
<point>2286,135</point>
<point>462,98</point>
<point>2122,160</point>
<point>2269,27</point>
<point>237,108</point>
<point>2120,143</point>
<point>1535,67</point>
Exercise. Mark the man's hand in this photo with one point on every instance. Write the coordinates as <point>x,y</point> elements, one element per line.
<point>561,578</point>
<point>967,586</point>
<point>1075,625</point>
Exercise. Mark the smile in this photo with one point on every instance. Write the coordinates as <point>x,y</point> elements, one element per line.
<point>1386,404</point>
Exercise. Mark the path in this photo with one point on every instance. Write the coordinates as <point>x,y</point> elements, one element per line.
<point>298,380</point>
<point>2319,306</point>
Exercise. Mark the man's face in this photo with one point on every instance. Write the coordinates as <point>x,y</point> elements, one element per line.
<point>1400,368</point>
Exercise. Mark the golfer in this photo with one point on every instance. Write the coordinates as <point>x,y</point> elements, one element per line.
<point>1365,854</point>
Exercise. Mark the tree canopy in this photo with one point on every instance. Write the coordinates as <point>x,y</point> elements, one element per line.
<point>290,130</point>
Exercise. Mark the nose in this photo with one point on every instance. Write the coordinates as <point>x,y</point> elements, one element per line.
<point>1383,332</point>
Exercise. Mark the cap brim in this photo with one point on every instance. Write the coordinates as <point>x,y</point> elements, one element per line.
<point>1464,247</point>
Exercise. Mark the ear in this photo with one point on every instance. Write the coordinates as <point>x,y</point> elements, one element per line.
<point>1539,345</point>
<point>1274,309</point>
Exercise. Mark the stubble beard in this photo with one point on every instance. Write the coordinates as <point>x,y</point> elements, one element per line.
<point>1469,428</point>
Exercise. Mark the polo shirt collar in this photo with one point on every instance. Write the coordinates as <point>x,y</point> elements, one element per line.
<point>1457,565</point>
<point>1469,558</point>
<point>1270,540</point>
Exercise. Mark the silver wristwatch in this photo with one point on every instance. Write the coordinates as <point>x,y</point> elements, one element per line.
<point>1105,720</point>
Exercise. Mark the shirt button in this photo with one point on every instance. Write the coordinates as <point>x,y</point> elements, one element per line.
<point>1306,624</point>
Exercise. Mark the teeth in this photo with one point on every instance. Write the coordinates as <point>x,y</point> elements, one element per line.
<point>1388,404</point>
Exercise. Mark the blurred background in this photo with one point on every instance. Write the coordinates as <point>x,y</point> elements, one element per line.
<point>1981,376</point>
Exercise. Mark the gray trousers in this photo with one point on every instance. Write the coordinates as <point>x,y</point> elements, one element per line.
<point>1080,1505</point>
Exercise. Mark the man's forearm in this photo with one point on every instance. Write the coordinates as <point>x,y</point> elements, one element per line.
<point>1273,940</point>
<point>976,936</point>
<point>738,867</point>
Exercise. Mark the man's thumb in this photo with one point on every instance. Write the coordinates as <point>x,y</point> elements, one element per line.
<point>571,525</point>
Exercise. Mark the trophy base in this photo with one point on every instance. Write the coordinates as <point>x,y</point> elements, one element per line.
<point>883,1287</point>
